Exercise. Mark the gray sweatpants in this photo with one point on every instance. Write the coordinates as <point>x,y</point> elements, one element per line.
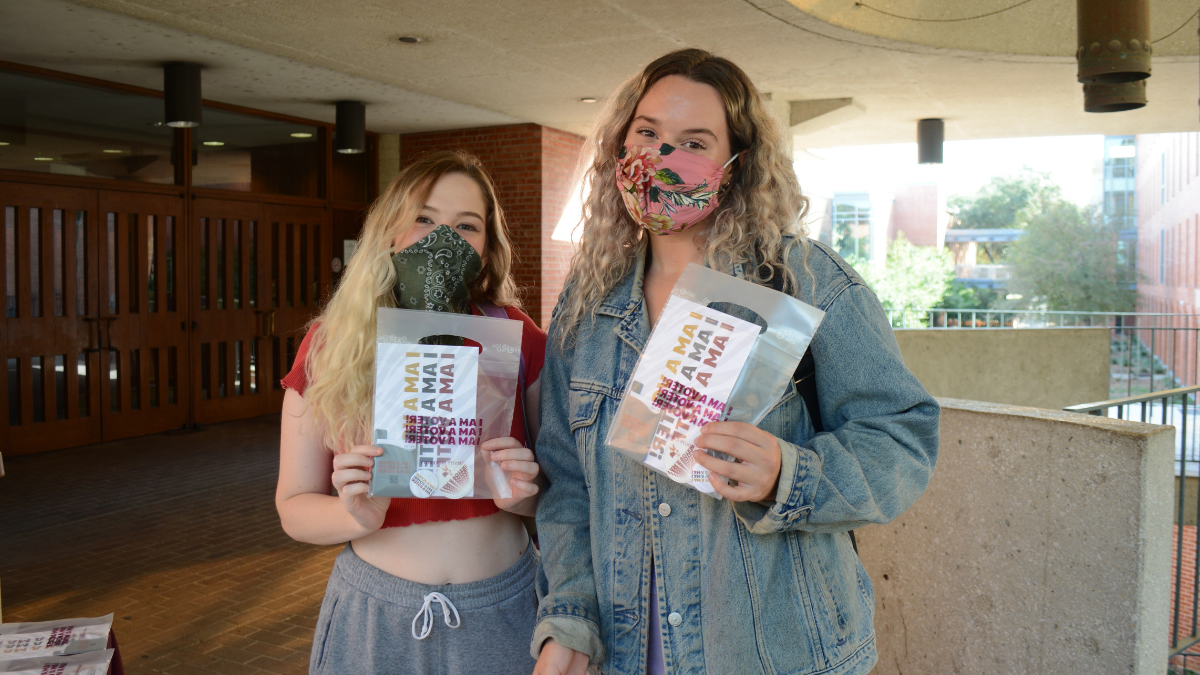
<point>366,623</point>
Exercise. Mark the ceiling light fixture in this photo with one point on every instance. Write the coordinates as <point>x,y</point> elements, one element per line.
<point>181,94</point>
<point>214,144</point>
<point>43,159</point>
<point>587,99</point>
<point>410,39</point>
<point>350,134</point>
<point>931,133</point>
<point>301,134</point>
<point>113,152</point>
<point>3,142</point>
<point>1114,42</point>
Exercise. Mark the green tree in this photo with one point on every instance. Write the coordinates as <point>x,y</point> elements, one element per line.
<point>1005,202</point>
<point>912,277</point>
<point>1068,260</point>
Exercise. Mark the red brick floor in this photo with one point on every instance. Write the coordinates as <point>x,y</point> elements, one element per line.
<point>176,535</point>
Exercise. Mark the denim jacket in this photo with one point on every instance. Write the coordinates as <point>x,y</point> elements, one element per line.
<point>766,587</point>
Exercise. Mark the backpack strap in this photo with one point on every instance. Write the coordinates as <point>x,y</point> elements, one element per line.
<point>495,312</point>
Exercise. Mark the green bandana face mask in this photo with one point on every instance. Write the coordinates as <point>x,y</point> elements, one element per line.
<point>433,273</point>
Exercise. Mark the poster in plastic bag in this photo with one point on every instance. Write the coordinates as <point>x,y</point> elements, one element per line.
<point>89,663</point>
<point>51,638</point>
<point>701,365</point>
<point>436,403</point>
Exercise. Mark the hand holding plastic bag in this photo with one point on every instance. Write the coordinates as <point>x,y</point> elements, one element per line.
<point>701,365</point>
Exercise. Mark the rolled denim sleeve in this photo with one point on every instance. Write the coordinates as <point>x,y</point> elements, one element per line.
<point>568,611</point>
<point>879,452</point>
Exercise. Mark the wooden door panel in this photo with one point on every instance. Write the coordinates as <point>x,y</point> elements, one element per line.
<point>143,313</point>
<point>47,260</point>
<point>231,315</point>
<point>300,242</point>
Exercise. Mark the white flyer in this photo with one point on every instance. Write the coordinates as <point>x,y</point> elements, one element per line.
<point>425,420</point>
<point>89,663</point>
<point>685,376</point>
<point>52,638</point>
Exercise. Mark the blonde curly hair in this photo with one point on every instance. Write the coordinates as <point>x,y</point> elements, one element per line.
<point>760,206</point>
<point>340,368</point>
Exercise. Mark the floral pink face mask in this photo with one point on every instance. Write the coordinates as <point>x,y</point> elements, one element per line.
<point>667,190</point>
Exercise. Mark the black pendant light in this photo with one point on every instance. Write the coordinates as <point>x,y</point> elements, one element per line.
<point>181,93</point>
<point>931,133</point>
<point>1114,41</point>
<point>351,132</point>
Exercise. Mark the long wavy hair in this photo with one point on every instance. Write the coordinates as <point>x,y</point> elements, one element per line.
<point>759,206</point>
<point>340,368</point>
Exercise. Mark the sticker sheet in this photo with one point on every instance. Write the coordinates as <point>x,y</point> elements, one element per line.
<point>685,376</point>
<point>425,420</point>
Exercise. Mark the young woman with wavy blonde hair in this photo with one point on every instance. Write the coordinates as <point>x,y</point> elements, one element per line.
<point>408,560</point>
<point>643,574</point>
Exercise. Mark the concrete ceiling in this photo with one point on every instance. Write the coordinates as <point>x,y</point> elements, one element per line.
<point>484,63</point>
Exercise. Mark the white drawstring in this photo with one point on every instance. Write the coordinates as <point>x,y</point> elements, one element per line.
<point>427,612</point>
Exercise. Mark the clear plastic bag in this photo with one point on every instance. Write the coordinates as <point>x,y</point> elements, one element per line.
<point>90,663</point>
<point>435,404</point>
<point>701,365</point>
<point>51,638</point>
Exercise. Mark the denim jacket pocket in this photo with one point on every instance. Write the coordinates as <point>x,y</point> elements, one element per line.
<point>584,402</point>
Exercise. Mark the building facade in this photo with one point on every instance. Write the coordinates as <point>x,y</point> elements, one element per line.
<point>1168,238</point>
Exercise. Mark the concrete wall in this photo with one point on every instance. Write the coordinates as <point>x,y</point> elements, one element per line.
<point>1041,546</point>
<point>1038,367</point>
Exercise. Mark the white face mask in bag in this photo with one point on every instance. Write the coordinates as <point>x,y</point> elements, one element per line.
<point>701,366</point>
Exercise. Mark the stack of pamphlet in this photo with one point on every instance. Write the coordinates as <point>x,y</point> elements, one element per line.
<point>62,647</point>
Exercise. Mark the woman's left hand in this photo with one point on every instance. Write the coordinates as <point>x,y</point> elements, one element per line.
<point>518,462</point>
<point>757,468</point>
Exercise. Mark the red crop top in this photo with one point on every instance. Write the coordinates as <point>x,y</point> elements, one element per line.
<point>404,512</point>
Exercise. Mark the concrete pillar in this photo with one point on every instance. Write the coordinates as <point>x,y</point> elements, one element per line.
<point>534,169</point>
<point>389,159</point>
<point>1042,545</point>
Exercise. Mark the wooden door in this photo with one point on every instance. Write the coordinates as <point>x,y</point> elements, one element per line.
<point>230,315</point>
<point>143,313</point>
<point>51,339</point>
<point>300,250</point>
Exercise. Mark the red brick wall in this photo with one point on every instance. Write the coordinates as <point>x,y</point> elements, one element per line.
<point>532,167</point>
<point>1168,247</point>
<point>560,158</point>
<point>1186,588</point>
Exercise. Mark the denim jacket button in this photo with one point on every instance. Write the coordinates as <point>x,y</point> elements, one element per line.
<point>674,618</point>
<point>664,509</point>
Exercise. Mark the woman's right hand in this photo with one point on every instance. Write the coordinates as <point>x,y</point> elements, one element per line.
<point>556,659</point>
<point>352,480</point>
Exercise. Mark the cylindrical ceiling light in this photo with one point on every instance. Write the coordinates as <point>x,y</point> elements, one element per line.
<point>931,133</point>
<point>1102,98</point>
<point>351,132</point>
<point>1114,41</point>
<point>181,93</point>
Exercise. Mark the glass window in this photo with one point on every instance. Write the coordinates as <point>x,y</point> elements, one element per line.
<point>852,225</point>
<point>71,129</point>
<point>240,152</point>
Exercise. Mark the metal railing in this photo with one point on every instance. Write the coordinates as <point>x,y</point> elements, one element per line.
<point>1176,407</point>
<point>1149,351</point>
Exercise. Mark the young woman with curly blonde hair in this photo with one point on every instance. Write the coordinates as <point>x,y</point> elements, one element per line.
<point>643,574</point>
<point>412,564</point>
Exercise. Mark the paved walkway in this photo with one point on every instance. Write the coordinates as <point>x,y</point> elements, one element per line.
<point>176,535</point>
